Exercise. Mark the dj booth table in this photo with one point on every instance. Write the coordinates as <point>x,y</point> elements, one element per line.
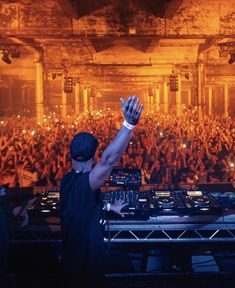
<point>166,229</point>
<point>189,226</point>
<point>160,242</point>
<point>140,246</point>
<point>161,229</point>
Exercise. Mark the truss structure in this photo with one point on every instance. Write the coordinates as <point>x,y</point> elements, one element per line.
<point>202,229</point>
<point>170,233</point>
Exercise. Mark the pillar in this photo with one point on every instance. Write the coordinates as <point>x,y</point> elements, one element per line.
<point>64,101</point>
<point>77,98</point>
<point>39,92</point>
<point>151,105</point>
<point>189,97</point>
<point>179,98</point>
<point>165,97</point>
<point>157,98</point>
<point>201,89</point>
<point>85,99</point>
<point>146,100</point>
<point>226,100</point>
<point>91,99</point>
<point>209,100</point>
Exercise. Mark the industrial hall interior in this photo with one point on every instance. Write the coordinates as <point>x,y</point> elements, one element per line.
<point>168,202</point>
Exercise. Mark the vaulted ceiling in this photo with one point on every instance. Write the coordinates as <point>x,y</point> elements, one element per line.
<point>159,8</point>
<point>117,41</point>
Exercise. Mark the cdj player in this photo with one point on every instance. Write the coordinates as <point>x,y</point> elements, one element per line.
<point>199,201</point>
<point>165,202</point>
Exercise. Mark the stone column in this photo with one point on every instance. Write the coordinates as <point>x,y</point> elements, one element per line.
<point>39,92</point>
<point>146,100</point>
<point>189,97</point>
<point>157,98</point>
<point>77,98</point>
<point>165,97</point>
<point>178,98</point>
<point>91,98</point>
<point>64,101</point>
<point>209,100</point>
<point>226,100</point>
<point>150,96</point>
<point>85,99</point>
<point>201,90</point>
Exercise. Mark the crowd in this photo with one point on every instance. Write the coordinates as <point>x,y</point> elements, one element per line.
<point>170,151</point>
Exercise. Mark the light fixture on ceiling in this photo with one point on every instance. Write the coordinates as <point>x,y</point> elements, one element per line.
<point>232,58</point>
<point>186,75</point>
<point>15,53</point>
<point>5,57</point>
<point>53,75</point>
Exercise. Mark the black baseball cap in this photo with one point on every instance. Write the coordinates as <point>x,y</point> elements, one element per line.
<point>83,146</point>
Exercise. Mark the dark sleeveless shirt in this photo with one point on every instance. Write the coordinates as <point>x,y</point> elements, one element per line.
<point>82,233</point>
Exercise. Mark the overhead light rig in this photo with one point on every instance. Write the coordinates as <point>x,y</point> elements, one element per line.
<point>227,49</point>
<point>53,74</point>
<point>9,52</point>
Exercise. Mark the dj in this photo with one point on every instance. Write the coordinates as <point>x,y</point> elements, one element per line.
<point>81,201</point>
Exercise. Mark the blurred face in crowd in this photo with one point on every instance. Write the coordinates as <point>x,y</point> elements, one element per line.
<point>201,168</point>
<point>51,141</point>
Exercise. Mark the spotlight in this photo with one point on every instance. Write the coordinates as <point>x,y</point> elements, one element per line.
<point>53,75</point>
<point>186,76</point>
<point>231,59</point>
<point>5,57</point>
<point>68,84</point>
<point>15,53</point>
<point>174,82</point>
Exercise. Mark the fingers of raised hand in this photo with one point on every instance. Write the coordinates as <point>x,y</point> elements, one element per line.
<point>132,103</point>
<point>136,105</point>
<point>133,106</point>
<point>131,109</point>
<point>138,113</point>
<point>127,105</point>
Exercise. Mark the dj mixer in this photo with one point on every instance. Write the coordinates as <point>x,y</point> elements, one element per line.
<point>142,204</point>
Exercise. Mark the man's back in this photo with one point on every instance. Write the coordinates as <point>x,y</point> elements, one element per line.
<point>83,245</point>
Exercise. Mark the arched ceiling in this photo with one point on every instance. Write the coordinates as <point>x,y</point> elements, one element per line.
<point>111,42</point>
<point>159,8</point>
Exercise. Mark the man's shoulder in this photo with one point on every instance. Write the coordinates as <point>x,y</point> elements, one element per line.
<point>65,178</point>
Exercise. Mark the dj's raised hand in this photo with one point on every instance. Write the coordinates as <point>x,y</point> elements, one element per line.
<point>132,110</point>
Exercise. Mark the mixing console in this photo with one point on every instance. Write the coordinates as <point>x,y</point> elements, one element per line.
<point>142,204</point>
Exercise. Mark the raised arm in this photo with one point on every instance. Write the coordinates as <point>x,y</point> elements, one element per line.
<point>112,154</point>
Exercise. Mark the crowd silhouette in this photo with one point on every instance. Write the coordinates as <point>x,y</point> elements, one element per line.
<point>170,151</point>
